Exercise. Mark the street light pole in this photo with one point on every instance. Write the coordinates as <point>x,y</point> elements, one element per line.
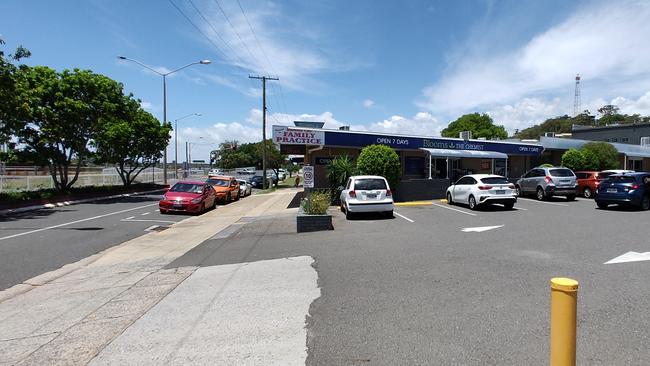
<point>176,141</point>
<point>164,76</point>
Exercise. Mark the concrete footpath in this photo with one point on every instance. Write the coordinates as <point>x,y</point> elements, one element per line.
<point>121,307</point>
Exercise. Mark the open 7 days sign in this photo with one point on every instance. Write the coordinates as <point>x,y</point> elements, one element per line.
<point>283,135</point>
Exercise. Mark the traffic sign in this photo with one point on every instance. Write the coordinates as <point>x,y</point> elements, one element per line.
<point>308,176</point>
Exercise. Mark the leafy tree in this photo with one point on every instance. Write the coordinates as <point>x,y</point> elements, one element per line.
<point>292,168</point>
<point>481,125</point>
<point>380,160</point>
<point>274,158</point>
<point>133,141</point>
<point>62,113</point>
<point>573,159</point>
<point>606,153</point>
<point>608,110</point>
<point>10,107</point>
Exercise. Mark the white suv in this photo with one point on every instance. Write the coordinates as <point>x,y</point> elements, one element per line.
<point>366,193</point>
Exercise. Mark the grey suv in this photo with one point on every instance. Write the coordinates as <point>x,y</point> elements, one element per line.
<point>548,182</point>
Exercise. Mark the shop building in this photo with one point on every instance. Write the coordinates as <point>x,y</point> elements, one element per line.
<point>428,163</point>
<point>634,134</point>
<point>632,157</point>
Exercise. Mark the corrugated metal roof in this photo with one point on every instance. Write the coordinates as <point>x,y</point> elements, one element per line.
<point>554,143</point>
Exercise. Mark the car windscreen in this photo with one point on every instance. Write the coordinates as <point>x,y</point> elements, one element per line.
<point>495,180</point>
<point>219,182</point>
<point>561,173</point>
<point>187,187</point>
<point>369,184</point>
<point>620,179</point>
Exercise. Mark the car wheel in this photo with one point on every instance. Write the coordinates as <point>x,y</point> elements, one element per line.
<point>602,205</point>
<point>164,212</point>
<point>645,203</point>
<point>228,198</point>
<point>389,214</point>
<point>518,190</point>
<point>237,198</point>
<point>341,207</point>
<point>449,200</point>
<point>214,203</point>
<point>540,194</point>
<point>509,205</point>
<point>571,197</point>
<point>587,192</point>
<point>348,214</point>
<point>201,210</point>
<point>472,203</point>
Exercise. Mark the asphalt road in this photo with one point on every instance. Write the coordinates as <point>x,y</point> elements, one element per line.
<point>39,241</point>
<point>418,290</point>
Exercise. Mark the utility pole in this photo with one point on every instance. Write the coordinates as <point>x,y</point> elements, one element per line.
<point>264,79</point>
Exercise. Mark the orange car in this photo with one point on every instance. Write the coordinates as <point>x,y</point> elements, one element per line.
<point>226,188</point>
<point>588,182</point>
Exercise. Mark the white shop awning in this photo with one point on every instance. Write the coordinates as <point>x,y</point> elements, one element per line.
<point>449,153</point>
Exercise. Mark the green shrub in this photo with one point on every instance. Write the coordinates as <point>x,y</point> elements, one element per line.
<point>338,171</point>
<point>591,160</point>
<point>573,159</point>
<point>606,153</point>
<point>546,165</point>
<point>380,160</point>
<point>318,204</point>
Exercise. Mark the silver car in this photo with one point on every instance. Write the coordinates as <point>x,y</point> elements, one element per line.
<point>546,182</point>
<point>245,188</point>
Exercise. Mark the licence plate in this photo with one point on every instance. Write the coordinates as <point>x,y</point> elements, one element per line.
<point>371,195</point>
<point>612,190</point>
<point>178,205</point>
<point>501,192</point>
<point>565,181</point>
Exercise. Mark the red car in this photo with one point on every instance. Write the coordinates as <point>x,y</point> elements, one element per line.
<point>187,196</point>
<point>588,182</point>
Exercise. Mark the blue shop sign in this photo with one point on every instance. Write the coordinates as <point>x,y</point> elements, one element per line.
<point>414,143</point>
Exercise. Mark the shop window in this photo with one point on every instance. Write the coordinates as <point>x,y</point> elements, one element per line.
<point>614,139</point>
<point>625,139</point>
<point>414,165</point>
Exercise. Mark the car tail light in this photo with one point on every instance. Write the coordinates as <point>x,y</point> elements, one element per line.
<point>635,186</point>
<point>484,188</point>
<point>353,194</point>
<point>548,179</point>
<point>389,193</point>
<point>597,183</point>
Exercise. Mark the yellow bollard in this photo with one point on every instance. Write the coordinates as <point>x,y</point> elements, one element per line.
<point>564,301</point>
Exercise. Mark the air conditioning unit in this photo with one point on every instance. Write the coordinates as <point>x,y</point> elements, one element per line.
<point>645,141</point>
<point>344,128</point>
<point>466,135</point>
<point>549,134</point>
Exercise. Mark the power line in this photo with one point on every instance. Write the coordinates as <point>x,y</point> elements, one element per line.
<point>222,54</point>
<point>259,44</point>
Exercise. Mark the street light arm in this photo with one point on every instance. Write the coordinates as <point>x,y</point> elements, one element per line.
<point>143,65</point>
<point>181,68</point>
<point>189,115</point>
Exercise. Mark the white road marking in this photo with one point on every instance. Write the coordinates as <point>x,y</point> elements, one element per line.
<point>404,217</point>
<point>143,214</point>
<point>134,220</point>
<point>544,202</point>
<point>128,218</point>
<point>521,208</point>
<point>479,229</point>
<point>76,222</point>
<point>630,257</point>
<point>454,209</point>
<point>152,227</point>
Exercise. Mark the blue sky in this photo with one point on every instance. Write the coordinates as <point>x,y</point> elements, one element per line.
<point>408,67</point>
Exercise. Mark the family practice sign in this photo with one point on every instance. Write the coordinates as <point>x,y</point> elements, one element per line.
<point>294,136</point>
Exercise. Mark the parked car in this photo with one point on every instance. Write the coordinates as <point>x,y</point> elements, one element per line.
<point>245,188</point>
<point>271,174</point>
<point>366,193</point>
<point>606,173</point>
<point>256,181</point>
<point>188,196</point>
<point>226,188</point>
<point>588,182</point>
<point>215,172</point>
<point>482,189</point>
<point>630,189</point>
<point>546,182</point>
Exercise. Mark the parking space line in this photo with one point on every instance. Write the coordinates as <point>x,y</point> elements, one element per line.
<point>404,217</point>
<point>143,214</point>
<point>75,222</point>
<point>454,209</point>
<point>132,220</point>
<point>544,202</point>
<point>129,218</point>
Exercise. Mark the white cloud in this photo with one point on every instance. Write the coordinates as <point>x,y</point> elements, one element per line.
<point>423,123</point>
<point>146,105</point>
<point>606,42</point>
<point>632,106</point>
<point>368,103</point>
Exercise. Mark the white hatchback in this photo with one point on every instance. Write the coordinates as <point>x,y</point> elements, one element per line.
<point>366,193</point>
<point>482,189</point>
